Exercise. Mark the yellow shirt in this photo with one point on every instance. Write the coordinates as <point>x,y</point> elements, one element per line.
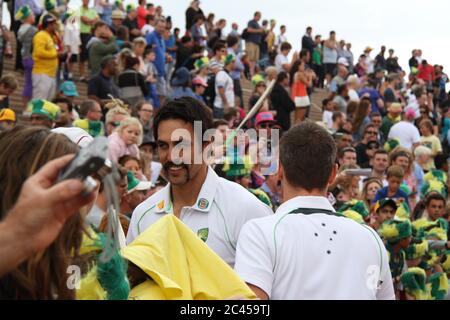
<point>432,142</point>
<point>45,56</point>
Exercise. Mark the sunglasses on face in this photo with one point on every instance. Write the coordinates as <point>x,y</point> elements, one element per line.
<point>374,133</point>
<point>267,125</point>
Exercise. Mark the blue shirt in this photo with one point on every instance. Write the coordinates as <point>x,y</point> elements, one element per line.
<point>254,37</point>
<point>155,40</point>
<point>170,43</point>
<point>238,66</point>
<point>383,193</point>
<point>374,96</point>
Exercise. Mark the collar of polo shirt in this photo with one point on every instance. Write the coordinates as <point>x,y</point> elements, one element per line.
<point>204,200</point>
<point>305,202</point>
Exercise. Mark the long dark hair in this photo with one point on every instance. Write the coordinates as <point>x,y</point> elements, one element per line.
<point>43,276</point>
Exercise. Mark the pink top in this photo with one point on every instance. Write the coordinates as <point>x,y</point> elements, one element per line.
<point>117,148</point>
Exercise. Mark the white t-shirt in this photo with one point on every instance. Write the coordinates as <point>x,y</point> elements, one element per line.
<point>223,80</point>
<point>281,60</point>
<point>353,95</point>
<point>327,118</point>
<point>313,256</point>
<point>147,29</point>
<point>221,209</point>
<point>406,133</point>
<point>72,38</point>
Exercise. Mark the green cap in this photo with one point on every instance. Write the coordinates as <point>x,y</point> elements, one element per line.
<point>229,58</point>
<point>201,63</point>
<point>44,108</point>
<point>237,166</point>
<point>130,7</point>
<point>257,79</point>
<point>391,145</point>
<point>23,13</point>
<point>136,185</point>
<point>50,5</point>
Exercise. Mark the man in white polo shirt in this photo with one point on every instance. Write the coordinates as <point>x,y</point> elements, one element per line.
<point>214,208</point>
<point>305,251</point>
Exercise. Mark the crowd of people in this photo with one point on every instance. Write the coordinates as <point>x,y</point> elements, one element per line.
<point>385,129</point>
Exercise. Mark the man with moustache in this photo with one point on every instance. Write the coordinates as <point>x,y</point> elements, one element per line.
<point>212,207</point>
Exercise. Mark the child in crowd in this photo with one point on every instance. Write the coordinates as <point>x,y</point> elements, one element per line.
<point>150,76</point>
<point>384,210</point>
<point>328,109</point>
<point>125,140</point>
<point>395,175</point>
<point>149,25</point>
<point>430,141</point>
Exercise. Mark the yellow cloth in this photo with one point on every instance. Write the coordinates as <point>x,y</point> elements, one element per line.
<point>434,144</point>
<point>45,56</point>
<point>181,265</point>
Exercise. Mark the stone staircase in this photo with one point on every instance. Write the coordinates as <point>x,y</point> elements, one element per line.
<point>16,102</point>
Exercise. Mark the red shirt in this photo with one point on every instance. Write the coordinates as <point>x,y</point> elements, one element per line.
<point>426,73</point>
<point>141,14</point>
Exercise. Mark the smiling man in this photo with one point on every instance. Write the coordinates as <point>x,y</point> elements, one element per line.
<point>212,207</point>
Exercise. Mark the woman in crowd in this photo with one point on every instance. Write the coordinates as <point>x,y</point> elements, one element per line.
<point>361,119</point>
<point>132,83</point>
<point>369,190</point>
<point>44,275</point>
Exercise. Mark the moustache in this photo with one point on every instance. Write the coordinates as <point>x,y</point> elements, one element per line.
<point>170,164</point>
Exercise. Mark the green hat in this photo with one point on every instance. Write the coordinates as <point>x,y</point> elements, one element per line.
<point>136,185</point>
<point>432,229</point>
<point>394,230</point>
<point>436,175</point>
<point>446,261</point>
<point>438,285</point>
<point>201,63</point>
<point>433,186</point>
<point>391,145</point>
<point>130,7</point>
<point>237,166</point>
<point>44,108</point>
<point>403,211</point>
<point>417,249</point>
<point>23,13</point>
<point>94,128</point>
<point>50,5</point>
<point>257,79</point>
<point>353,215</point>
<point>229,58</point>
<point>261,195</point>
<point>414,283</point>
<point>356,206</point>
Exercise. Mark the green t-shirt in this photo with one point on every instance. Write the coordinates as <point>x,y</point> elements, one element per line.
<point>88,13</point>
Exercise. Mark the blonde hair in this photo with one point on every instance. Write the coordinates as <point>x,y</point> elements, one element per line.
<point>130,121</point>
<point>115,111</point>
